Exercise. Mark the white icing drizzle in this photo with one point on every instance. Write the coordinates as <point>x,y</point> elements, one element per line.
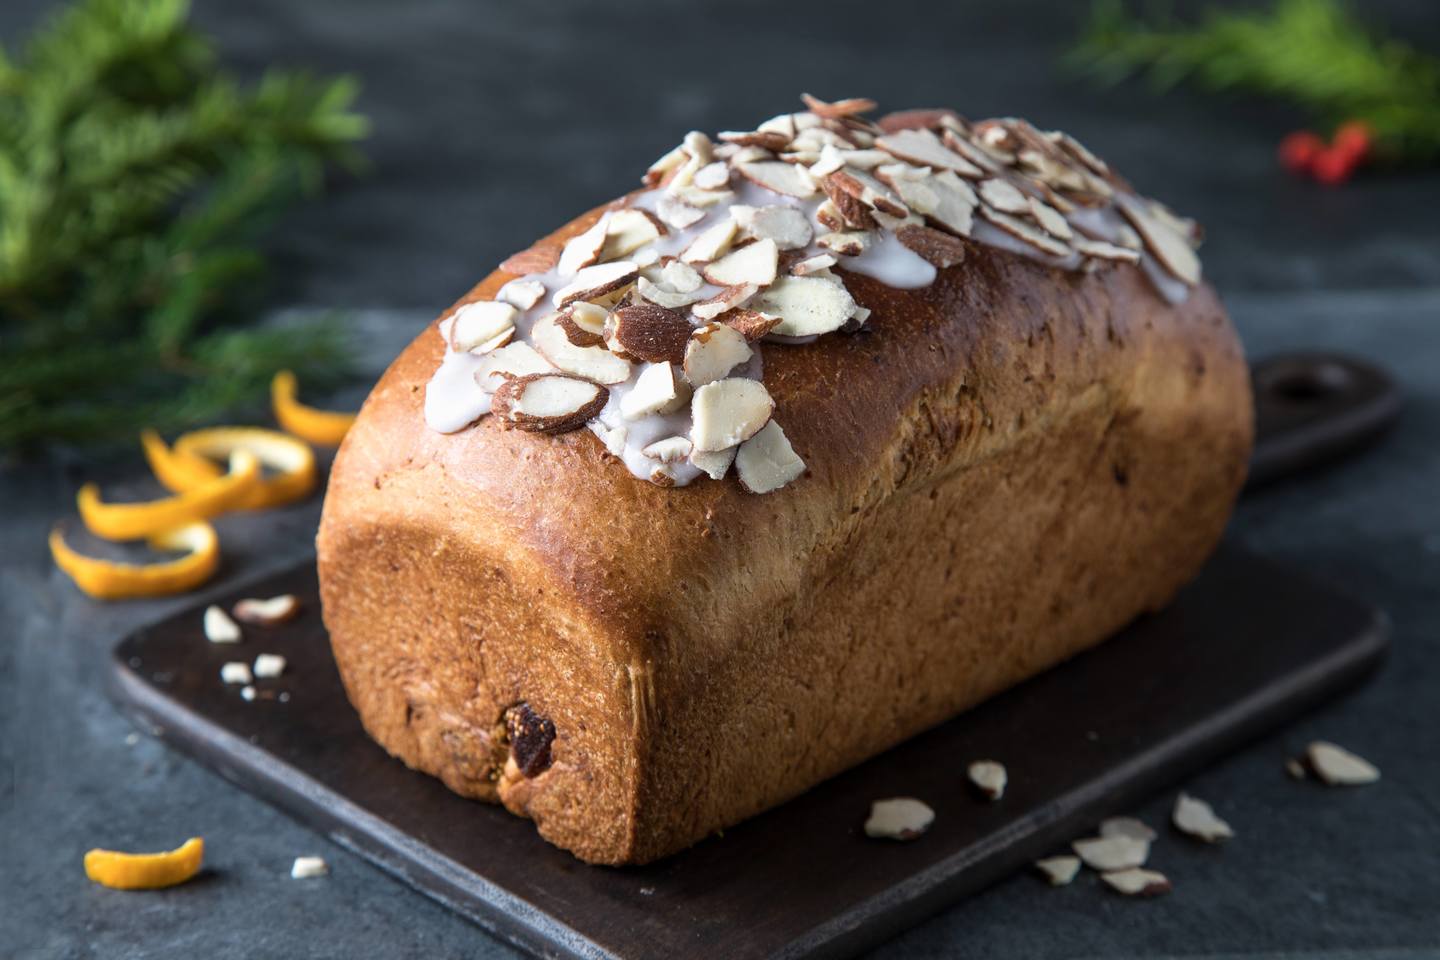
<point>454,399</point>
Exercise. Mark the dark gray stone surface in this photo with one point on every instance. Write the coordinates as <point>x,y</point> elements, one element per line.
<point>495,123</point>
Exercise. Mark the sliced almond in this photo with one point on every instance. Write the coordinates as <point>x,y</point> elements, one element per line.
<point>592,363</point>
<point>844,192</point>
<point>675,212</point>
<point>806,306</point>
<point>644,331</point>
<point>846,243</point>
<point>960,143</point>
<point>727,299</point>
<point>764,139</point>
<point>658,389</point>
<point>728,412</point>
<point>715,464</point>
<point>956,204</point>
<point>713,351</point>
<point>267,612</point>
<point>612,438</point>
<point>669,450</point>
<point>584,248</point>
<point>536,259</point>
<point>236,672</point>
<point>590,283</point>
<point>1078,150</point>
<point>830,160</point>
<point>1115,852</point>
<point>1169,247</point>
<point>777,177</point>
<point>521,294</point>
<point>628,230</point>
<point>512,360</point>
<point>1003,196</point>
<point>914,191</point>
<point>814,264</point>
<point>923,148</point>
<point>1294,769</point>
<point>874,193</point>
<point>580,334</point>
<point>934,247</point>
<point>766,461</point>
<point>662,296</point>
<point>750,324</point>
<point>713,176</point>
<point>1059,870</point>
<point>665,166</point>
<point>589,317</point>
<point>787,226</point>
<point>219,628</point>
<point>1336,766</point>
<point>712,244</point>
<point>1195,817</point>
<point>1135,882</point>
<point>782,124</point>
<point>548,402</point>
<point>1127,827</point>
<point>1051,219</point>
<point>753,263</point>
<point>899,818</point>
<point>1101,250</point>
<point>839,108</point>
<point>988,777</point>
<point>476,323</point>
<point>269,666</point>
<point>1023,230</point>
<point>681,277</point>
<point>704,199</point>
<point>828,216</point>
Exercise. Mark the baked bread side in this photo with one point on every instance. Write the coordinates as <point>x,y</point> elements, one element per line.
<point>1002,468</point>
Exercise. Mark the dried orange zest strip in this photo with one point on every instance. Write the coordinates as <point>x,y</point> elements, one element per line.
<point>324,427</point>
<point>131,521</point>
<point>110,580</point>
<point>292,460</point>
<point>175,472</point>
<point>145,871</point>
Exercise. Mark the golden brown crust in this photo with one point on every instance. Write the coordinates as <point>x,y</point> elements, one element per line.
<point>1004,468</point>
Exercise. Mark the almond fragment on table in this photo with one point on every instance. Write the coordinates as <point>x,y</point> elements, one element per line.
<point>305,868</point>
<point>269,665</point>
<point>1132,827</point>
<point>1059,870</point>
<point>1135,882</point>
<point>1196,818</point>
<point>989,778</point>
<point>219,628</point>
<point>1337,767</point>
<point>1115,852</point>
<point>267,612</point>
<point>236,672</point>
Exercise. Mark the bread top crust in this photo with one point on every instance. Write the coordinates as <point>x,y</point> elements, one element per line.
<point>940,377</point>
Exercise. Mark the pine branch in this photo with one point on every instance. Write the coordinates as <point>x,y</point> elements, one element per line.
<point>1315,53</point>
<point>136,180</point>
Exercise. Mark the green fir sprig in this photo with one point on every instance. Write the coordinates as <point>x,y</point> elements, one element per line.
<point>137,180</point>
<point>1315,53</point>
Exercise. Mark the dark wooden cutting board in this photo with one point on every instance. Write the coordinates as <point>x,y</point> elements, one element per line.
<point>1245,647</point>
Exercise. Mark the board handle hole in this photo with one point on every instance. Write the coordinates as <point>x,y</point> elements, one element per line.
<point>1306,382</point>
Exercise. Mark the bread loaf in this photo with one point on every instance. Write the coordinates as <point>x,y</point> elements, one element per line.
<point>969,480</point>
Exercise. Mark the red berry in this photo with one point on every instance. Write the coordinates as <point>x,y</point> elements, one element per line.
<point>1354,137</point>
<point>1334,166</point>
<point>1298,151</point>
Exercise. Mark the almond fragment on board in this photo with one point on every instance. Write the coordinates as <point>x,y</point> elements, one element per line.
<point>713,351</point>
<point>236,672</point>
<point>988,777</point>
<point>753,263</point>
<point>267,612</point>
<point>548,402</point>
<point>898,818</point>
<point>269,665</point>
<point>1134,882</point>
<point>767,461</point>
<point>1115,852</point>
<point>1196,818</point>
<point>584,248</point>
<point>658,389</point>
<point>1059,870</point>
<point>512,360</point>
<point>592,363</point>
<point>644,331</point>
<point>727,412</point>
<point>1335,766</point>
<point>806,306</point>
<point>219,628</point>
<point>1127,827</point>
